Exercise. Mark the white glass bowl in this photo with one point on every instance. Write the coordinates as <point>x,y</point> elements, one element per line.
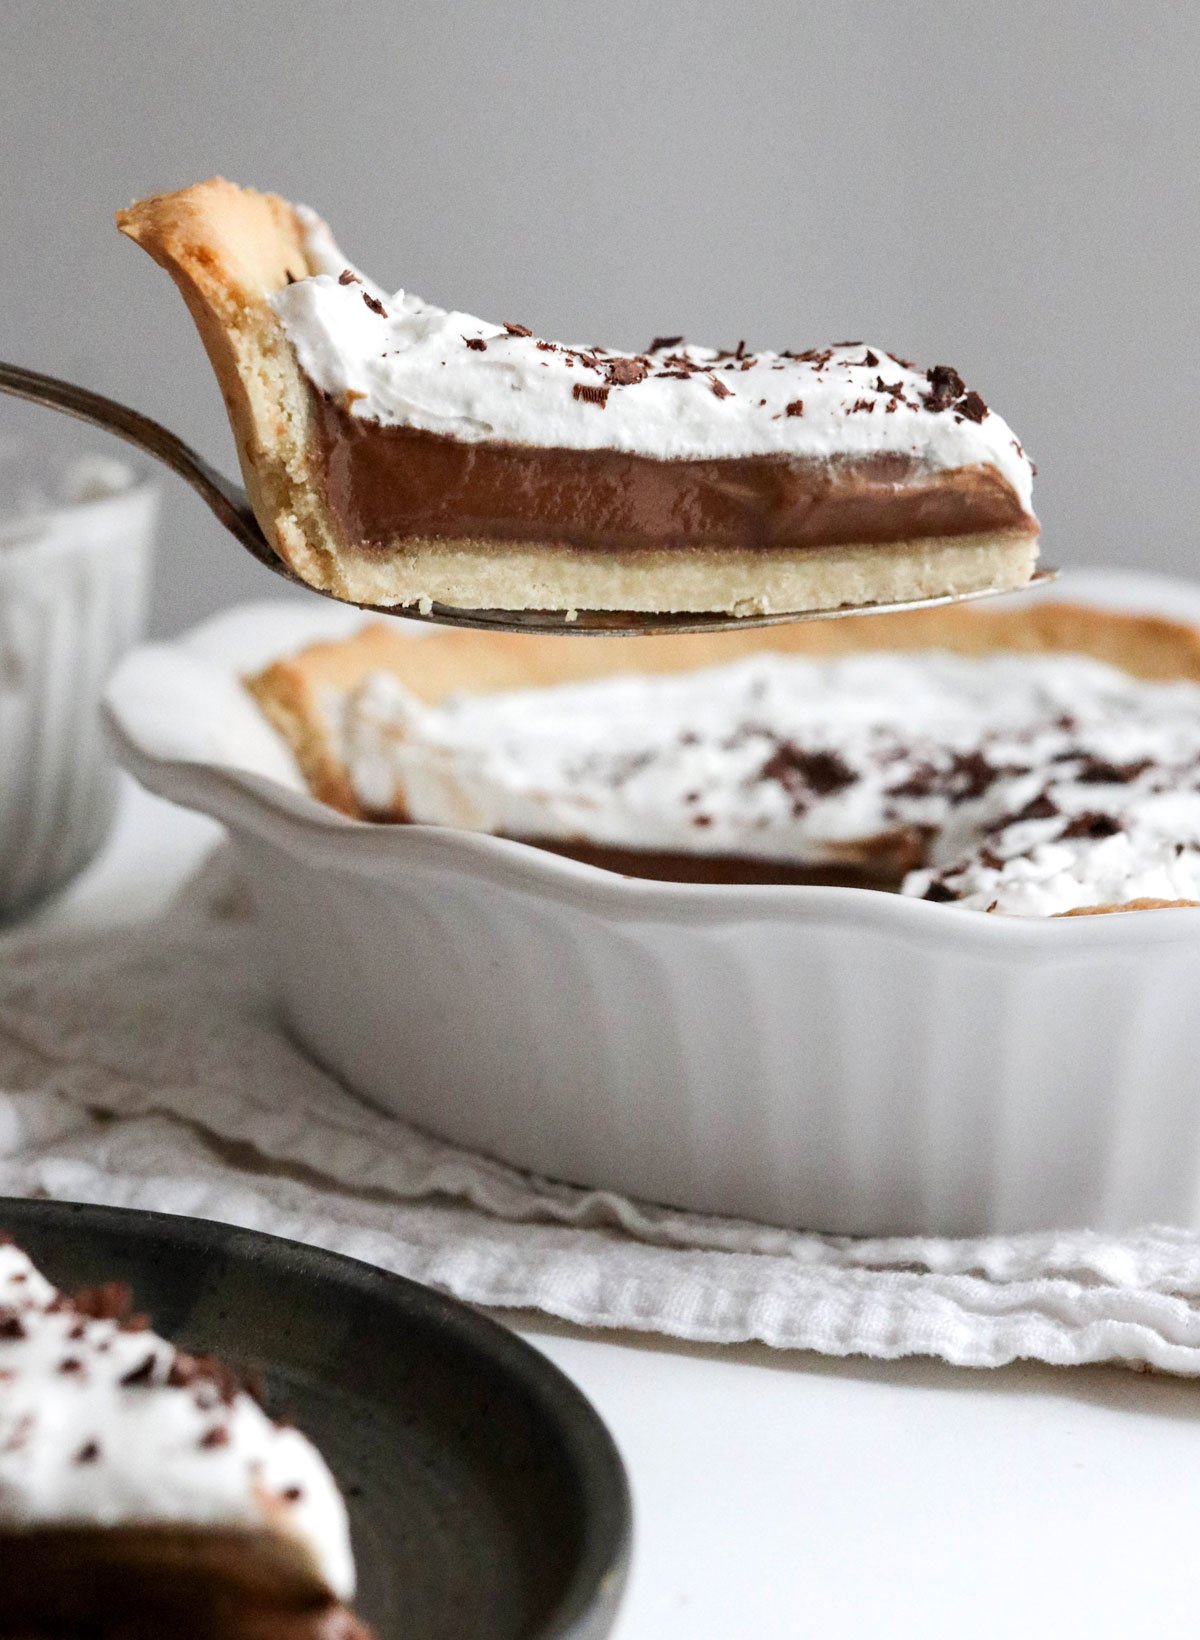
<point>75,538</point>
<point>826,1058</point>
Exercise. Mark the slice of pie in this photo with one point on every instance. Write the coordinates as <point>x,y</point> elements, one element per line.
<point>399,454</point>
<point>145,1494</point>
<point>1029,761</point>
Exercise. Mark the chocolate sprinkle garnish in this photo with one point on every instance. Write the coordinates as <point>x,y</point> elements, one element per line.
<point>971,774</point>
<point>547,347</point>
<point>70,1364</point>
<point>939,892</point>
<point>1097,772</point>
<point>375,305</point>
<point>720,389</point>
<point>1091,825</point>
<point>869,359</point>
<point>476,344</point>
<point>795,408</point>
<point>12,1327</point>
<point>1041,807</point>
<point>804,774</point>
<point>946,385</point>
<point>590,394</point>
<point>348,277</point>
<point>517,330</point>
<point>661,342</point>
<point>627,372</point>
<point>972,407</point>
<point>88,1453</point>
<point>142,1374</point>
<point>111,1301</point>
<point>292,1494</point>
<point>894,388</point>
<point>218,1435</point>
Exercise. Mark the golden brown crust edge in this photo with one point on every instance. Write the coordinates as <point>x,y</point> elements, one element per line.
<point>228,248</point>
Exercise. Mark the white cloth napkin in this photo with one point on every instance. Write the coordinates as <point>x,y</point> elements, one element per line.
<point>144,1067</point>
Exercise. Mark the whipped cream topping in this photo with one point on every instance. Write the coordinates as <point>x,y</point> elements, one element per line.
<point>1026,784</point>
<point>105,1424</point>
<point>401,361</point>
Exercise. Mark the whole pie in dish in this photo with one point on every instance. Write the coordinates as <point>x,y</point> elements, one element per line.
<point>400,454</point>
<point>144,1493</point>
<point>1037,762</point>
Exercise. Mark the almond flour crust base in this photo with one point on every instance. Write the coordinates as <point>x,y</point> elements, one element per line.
<point>292,693</point>
<point>228,248</point>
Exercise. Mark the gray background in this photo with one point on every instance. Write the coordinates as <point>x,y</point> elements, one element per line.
<point>1010,189</point>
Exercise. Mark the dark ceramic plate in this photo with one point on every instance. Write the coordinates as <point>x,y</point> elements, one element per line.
<point>487,1499</point>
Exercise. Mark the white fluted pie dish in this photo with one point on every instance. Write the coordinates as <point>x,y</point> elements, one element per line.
<point>828,1058</point>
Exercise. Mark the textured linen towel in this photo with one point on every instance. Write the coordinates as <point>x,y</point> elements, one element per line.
<point>144,1067</point>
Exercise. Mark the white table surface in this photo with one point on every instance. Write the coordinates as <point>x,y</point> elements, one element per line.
<point>780,1496</point>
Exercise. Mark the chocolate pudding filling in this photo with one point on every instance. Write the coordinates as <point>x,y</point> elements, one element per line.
<point>385,482</point>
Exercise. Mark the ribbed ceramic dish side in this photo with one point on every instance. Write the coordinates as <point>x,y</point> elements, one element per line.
<point>72,600</point>
<point>831,1059</point>
<point>813,1073</point>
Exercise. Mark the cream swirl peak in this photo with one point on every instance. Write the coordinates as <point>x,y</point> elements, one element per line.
<point>104,1424</point>
<point>401,361</point>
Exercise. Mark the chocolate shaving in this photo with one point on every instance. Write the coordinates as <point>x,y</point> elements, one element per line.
<point>70,1364</point>
<point>1041,807</point>
<point>111,1301</point>
<point>627,372</point>
<point>218,1435</point>
<point>869,359</point>
<point>189,1370</point>
<point>141,1375</point>
<point>795,408</point>
<point>590,394</point>
<point>970,776</point>
<point>375,305</point>
<point>972,407</point>
<point>804,774</point>
<point>517,330</point>
<point>1091,824</point>
<point>476,344</point>
<point>939,892</point>
<point>348,277</point>
<point>12,1327</point>
<point>720,389</point>
<point>1097,772</point>
<point>547,347</point>
<point>88,1452</point>
<point>894,388</point>
<point>662,342</point>
<point>945,386</point>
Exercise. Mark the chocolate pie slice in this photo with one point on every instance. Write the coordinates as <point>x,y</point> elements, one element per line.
<point>145,1494</point>
<point>399,454</point>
